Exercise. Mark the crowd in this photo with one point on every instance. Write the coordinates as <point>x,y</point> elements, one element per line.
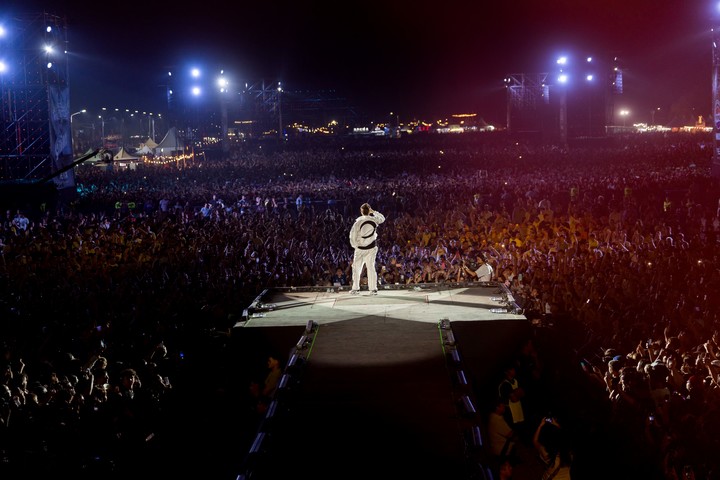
<point>103,296</point>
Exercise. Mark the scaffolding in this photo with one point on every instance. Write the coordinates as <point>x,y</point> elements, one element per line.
<point>270,107</point>
<point>34,104</point>
<point>527,96</point>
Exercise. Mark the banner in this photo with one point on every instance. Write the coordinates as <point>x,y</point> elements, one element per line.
<point>60,135</point>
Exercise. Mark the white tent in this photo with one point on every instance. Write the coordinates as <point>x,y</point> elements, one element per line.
<point>170,144</point>
<point>144,150</point>
<point>150,143</point>
<point>123,155</point>
<point>147,147</point>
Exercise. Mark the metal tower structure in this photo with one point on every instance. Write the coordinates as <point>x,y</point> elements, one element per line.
<point>35,134</point>
<point>272,107</point>
<point>527,94</point>
<point>716,101</point>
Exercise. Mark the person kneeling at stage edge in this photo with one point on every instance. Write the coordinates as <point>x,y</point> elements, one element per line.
<point>481,271</point>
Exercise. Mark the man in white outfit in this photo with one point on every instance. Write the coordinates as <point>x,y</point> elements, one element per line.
<point>363,238</point>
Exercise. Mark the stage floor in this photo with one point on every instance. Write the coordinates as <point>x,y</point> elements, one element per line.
<point>378,378</point>
<point>421,303</point>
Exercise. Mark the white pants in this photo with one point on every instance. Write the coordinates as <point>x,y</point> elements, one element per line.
<point>364,258</point>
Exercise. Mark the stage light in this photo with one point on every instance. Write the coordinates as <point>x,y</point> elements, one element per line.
<point>450,339</point>
<point>468,405</point>
<point>462,380</point>
<point>310,326</point>
<point>293,360</point>
<point>257,443</point>
<point>455,356</point>
<point>283,381</point>
<point>271,410</point>
<point>474,437</point>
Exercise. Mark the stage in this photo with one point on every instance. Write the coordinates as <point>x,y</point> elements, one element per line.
<point>427,303</point>
<point>380,386</point>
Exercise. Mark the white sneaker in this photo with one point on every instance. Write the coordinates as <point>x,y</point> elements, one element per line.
<point>354,292</point>
<point>374,292</point>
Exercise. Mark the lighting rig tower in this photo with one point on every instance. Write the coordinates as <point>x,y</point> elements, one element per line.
<point>716,98</point>
<point>265,104</point>
<point>527,96</point>
<point>35,133</point>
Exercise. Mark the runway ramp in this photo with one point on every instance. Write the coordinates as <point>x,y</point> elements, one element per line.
<point>376,386</point>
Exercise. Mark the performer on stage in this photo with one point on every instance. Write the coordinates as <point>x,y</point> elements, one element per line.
<point>363,238</point>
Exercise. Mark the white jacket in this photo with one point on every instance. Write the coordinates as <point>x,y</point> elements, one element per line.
<point>364,231</point>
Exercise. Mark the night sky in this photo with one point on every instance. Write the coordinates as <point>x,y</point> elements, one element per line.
<point>416,58</point>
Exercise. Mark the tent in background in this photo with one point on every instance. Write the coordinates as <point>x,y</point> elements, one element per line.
<point>147,147</point>
<point>123,155</point>
<point>169,145</point>
<point>124,159</point>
